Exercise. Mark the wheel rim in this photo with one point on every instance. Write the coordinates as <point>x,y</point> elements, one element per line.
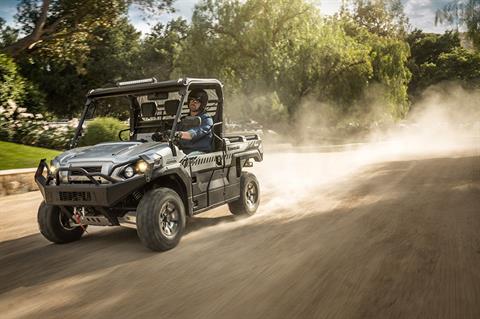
<point>169,220</point>
<point>251,194</point>
<point>65,221</point>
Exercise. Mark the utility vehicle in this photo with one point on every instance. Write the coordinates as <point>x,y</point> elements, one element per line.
<point>146,181</point>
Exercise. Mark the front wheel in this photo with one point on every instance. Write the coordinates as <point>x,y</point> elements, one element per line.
<point>249,199</point>
<point>161,219</point>
<point>56,226</point>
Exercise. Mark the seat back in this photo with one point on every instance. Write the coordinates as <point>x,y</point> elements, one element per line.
<point>148,109</point>
<point>171,107</point>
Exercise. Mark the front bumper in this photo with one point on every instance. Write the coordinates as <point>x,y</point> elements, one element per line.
<point>95,194</point>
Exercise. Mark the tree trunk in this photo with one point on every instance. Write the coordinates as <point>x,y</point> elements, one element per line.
<point>15,49</point>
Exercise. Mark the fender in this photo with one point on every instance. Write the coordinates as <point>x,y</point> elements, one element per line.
<point>180,175</point>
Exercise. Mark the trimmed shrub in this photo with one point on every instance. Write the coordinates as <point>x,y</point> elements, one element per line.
<point>30,129</point>
<point>102,129</point>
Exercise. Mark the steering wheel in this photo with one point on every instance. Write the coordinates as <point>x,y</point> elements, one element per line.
<point>120,134</point>
<point>163,136</point>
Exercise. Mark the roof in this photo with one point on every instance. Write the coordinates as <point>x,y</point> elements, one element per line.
<point>149,87</point>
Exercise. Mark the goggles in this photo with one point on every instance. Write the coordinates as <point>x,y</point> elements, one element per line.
<point>193,99</point>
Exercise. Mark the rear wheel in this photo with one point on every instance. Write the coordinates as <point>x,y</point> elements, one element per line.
<point>56,226</point>
<point>161,219</point>
<point>249,199</point>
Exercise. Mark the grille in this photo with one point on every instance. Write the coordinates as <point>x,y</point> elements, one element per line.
<point>75,196</point>
<point>96,169</point>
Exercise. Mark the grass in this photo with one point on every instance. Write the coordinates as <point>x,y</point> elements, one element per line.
<point>22,156</point>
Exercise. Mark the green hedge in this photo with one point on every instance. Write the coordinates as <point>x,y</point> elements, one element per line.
<point>102,129</point>
<point>35,132</point>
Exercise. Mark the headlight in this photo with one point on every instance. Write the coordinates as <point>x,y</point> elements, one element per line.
<point>129,172</point>
<point>141,166</point>
<point>54,165</point>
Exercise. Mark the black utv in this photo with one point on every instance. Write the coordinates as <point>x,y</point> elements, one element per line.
<point>147,181</point>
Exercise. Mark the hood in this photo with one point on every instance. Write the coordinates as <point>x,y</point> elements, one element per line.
<point>109,152</point>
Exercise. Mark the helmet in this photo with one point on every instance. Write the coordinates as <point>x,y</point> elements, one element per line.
<point>200,95</point>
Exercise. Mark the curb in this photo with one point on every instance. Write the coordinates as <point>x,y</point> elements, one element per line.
<point>17,181</point>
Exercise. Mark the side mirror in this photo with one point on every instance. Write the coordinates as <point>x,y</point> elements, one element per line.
<point>189,122</point>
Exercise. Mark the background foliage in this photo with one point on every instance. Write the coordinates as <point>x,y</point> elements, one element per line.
<point>284,64</point>
<point>102,129</point>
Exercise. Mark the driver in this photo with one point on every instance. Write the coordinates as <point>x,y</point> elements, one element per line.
<point>197,140</point>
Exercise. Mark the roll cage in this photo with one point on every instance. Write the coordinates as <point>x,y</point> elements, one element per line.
<point>132,90</point>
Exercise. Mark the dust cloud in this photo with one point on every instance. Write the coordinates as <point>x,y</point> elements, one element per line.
<point>447,119</point>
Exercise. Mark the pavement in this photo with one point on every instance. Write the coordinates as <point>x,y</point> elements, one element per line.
<point>337,235</point>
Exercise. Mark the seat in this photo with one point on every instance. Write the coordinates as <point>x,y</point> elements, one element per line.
<point>148,109</point>
<point>171,107</point>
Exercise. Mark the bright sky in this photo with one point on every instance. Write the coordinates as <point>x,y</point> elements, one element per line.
<point>420,12</point>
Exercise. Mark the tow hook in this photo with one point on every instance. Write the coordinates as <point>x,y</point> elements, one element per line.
<point>78,219</point>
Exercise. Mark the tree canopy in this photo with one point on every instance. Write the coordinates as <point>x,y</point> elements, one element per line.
<point>438,58</point>
<point>277,58</point>
<point>289,50</point>
<point>63,27</point>
<point>462,13</point>
<point>381,17</point>
<point>12,84</point>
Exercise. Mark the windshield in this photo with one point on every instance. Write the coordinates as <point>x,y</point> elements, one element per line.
<point>142,115</point>
<point>115,107</point>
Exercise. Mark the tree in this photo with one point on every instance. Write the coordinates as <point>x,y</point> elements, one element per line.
<point>381,17</point>
<point>390,58</point>
<point>328,65</point>
<point>113,56</point>
<point>8,35</point>
<point>276,48</point>
<point>426,49</point>
<point>388,54</point>
<point>161,47</point>
<point>16,88</point>
<point>462,13</point>
<point>64,26</point>
<point>459,65</point>
<point>12,84</point>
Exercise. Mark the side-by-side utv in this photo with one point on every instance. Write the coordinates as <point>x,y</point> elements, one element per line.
<point>147,181</point>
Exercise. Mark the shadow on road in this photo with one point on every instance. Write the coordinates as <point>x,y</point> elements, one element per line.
<point>198,222</point>
<point>32,260</point>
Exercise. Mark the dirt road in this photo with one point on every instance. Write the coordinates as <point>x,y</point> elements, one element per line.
<point>395,239</point>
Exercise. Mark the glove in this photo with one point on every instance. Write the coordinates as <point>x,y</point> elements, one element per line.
<point>177,136</point>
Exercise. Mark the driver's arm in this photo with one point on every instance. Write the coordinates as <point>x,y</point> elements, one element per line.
<point>198,132</point>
